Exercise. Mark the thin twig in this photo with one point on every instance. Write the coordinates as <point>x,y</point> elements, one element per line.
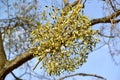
<point>36,64</point>
<point>15,76</point>
<point>82,74</point>
<point>106,35</point>
<point>113,7</point>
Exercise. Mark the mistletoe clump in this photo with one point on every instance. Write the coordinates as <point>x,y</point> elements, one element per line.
<point>63,43</point>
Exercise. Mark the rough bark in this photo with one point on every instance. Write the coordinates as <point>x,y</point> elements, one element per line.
<point>18,61</point>
<point>2,54</point>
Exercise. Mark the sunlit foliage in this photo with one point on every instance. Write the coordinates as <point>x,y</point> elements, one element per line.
<point>63,39</point>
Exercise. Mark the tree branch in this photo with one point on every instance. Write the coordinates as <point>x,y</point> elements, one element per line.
<point>113,7</point>
<point>18,61</point>
<point>15,76</point>
<point>106,35</point>
<point>82,74</point>
<point>106,19</point>
<point>2,53</point>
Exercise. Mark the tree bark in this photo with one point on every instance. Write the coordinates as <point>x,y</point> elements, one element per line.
<point>15,63</point>
<point>2,55</point>
<point>107,19</point>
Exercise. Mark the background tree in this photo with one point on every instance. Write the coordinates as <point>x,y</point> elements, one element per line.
<point>16,25</point>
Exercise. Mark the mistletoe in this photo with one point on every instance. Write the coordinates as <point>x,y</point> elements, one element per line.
<point>63,39</point>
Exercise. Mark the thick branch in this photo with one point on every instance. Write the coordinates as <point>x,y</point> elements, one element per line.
<point>106,19</point>
<point>2,53</point>
<point>18,61</point>
<point>82,74</point>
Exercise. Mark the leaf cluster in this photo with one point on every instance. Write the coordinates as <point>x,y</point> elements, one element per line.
<point>64,44</point>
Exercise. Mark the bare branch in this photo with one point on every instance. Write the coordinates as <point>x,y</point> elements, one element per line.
<point>2,53</point>
<point>15,76</point>
<point>106,19</point>
<point>82,74</point>
<point>36,64</point>
<point>113,7</point>
<point>84,3</point>
<point>18,61</point>
<point>106,35</point>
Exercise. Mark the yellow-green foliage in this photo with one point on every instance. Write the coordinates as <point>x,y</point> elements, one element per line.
<point>63,45</point>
